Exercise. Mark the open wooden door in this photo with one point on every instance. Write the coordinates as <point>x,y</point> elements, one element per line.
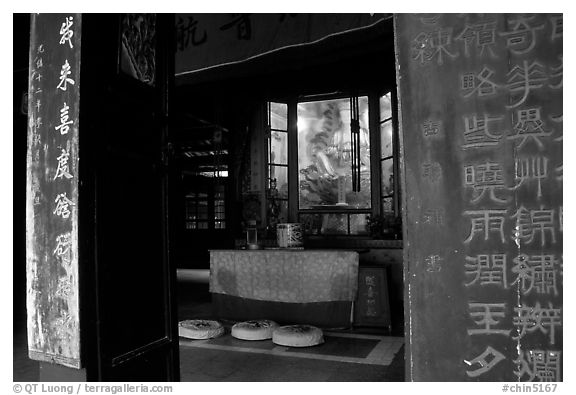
<point>130,307</point>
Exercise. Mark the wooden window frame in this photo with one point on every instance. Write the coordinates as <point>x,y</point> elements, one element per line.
<point>211,198</point>
<point>395,154</point>
<point>374,122</point>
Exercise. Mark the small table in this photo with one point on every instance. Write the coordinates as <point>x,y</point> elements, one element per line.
<point>316,287</point>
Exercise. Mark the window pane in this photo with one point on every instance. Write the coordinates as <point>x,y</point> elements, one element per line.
<point>202,210</point>
<point>279,148</point>
<point>279,116</point>
<point>385,107</point>
<point>324,154</point>
<point>359,224</point>
<point>190,209</point>
<point>334,224</point>
<point>312,223</point>
<point>387,173</point>
<point>280,174</point>
<point>386,139</point>
<point>387,206</point>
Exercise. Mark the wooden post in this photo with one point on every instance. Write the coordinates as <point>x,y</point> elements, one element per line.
<point>481,124</point>
<point>52,190</point>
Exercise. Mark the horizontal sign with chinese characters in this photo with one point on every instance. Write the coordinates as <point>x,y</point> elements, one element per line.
<point>207,40</point>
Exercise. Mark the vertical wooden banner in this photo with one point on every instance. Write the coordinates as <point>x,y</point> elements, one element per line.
<point>52,189</point>
<point>481,120</point>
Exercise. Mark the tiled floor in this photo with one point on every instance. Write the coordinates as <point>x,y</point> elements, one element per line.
<point>339,347</point>
<point>225,365</point>
<point>214,363</point>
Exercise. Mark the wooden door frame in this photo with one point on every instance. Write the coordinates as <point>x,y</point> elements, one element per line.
<point>91,340</point>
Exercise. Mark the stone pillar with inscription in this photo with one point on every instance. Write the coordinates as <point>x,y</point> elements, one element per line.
<point>52,190</point>
<point>481,123</point>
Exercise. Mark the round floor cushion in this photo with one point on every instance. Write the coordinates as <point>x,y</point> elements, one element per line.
<point>200,329</point>
<point>254,330</point>
<point>298,336</point>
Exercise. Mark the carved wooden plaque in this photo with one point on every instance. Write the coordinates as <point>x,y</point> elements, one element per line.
<point>481,117</point>
<point>52,189</point>
<point>372,307</point>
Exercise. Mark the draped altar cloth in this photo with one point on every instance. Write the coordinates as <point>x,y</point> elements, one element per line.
<point>291,276</point>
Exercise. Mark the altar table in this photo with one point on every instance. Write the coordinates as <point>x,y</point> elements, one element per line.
<point>316,287</point>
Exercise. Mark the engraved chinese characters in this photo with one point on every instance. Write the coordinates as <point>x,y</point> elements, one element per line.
<point>488,156</point>
<point>52,189</point>
<point>514,204</point>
